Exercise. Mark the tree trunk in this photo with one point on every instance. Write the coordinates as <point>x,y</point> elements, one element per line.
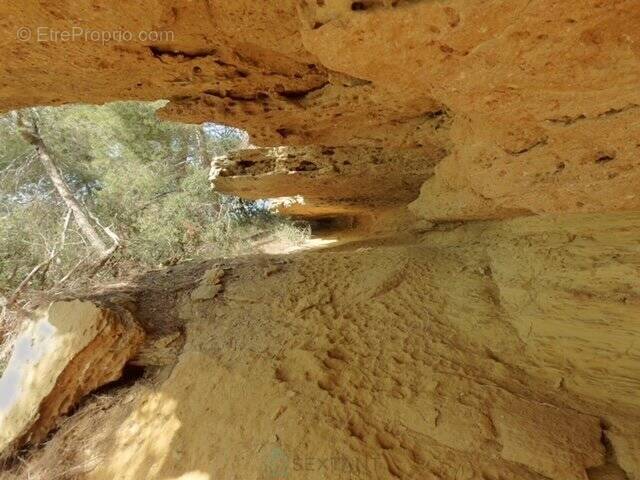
<point>70,201</point>
<point>82,220</point>
<point>202,148</point>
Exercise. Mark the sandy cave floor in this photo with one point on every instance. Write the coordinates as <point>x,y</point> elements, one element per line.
<point>497,350</point>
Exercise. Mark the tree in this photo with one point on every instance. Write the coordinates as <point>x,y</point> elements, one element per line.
<point>31,133</point>
<point>114,168</point>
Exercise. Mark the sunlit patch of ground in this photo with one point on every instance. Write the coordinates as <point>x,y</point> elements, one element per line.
<point>279,247</point>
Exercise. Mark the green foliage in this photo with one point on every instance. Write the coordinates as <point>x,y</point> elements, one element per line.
<point>144,178</point>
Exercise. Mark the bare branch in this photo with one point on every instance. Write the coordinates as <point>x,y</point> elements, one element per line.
<point>14,296</point>
<point>42,266</point>
<point>63,235</point>
<point>75,268</point>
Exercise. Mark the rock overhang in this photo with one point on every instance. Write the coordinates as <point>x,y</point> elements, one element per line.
<point>525,97</point>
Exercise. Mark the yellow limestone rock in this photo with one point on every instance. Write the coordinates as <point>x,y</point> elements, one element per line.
<point>492,350</point>
<point>70,350</point>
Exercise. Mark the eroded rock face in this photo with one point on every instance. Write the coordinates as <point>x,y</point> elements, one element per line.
<point>74,348</point>
<point>338,182</point>
<point>540,96</point>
